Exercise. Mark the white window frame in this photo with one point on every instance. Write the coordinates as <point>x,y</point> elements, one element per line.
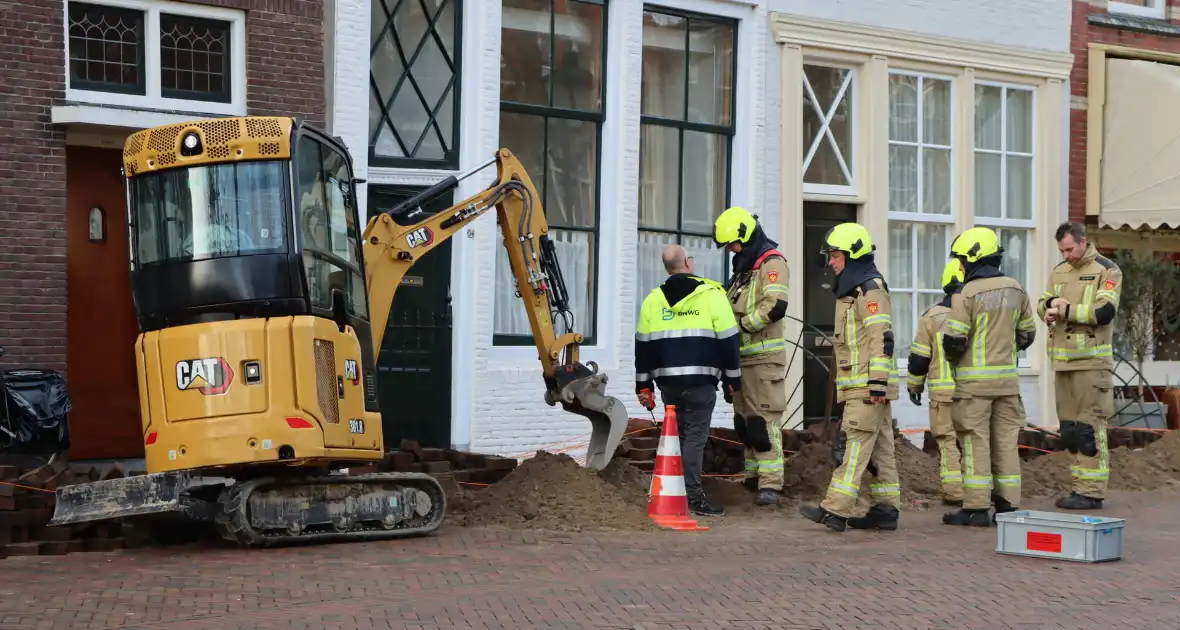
<point>811,145</point>
<point>948,220</point>
<point>1158,10</point>
<point>1028,225</point>
<point>153,99</point>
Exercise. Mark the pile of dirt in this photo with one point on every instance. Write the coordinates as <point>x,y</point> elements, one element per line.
<point>917,470</point>
<point>554,492</point>
<point>1150,468</point>
<point>808,472</point>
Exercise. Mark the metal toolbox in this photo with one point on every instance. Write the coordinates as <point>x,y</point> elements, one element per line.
<point>1073,537</point>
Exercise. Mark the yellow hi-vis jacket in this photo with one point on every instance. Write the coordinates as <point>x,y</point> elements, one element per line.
<point>1080,339</point>
<point>759,300</point>
<point>928,367</point>
<point>689,340</point>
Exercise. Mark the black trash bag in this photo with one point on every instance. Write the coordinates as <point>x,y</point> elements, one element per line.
<point>37,405</point>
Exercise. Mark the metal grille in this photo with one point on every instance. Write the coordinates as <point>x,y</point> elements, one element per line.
<point>325,380</point>
<point>134,145</point>
<point>265,128</point>
<point>268,148</point>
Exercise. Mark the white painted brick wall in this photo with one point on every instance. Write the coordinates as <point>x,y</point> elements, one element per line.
<point>498,404</point>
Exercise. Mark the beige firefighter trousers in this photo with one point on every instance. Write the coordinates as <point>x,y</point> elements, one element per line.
<point>869,428</point>
<point>760,404</point>
<point>950,466</point>
<point>989,430</point>
<point>1084,402</point>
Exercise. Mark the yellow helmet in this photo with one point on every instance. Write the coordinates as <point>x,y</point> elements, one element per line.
<point>851,238</point>
<point>953,272</point>
<point>975,244</point>
<point>735,224</point>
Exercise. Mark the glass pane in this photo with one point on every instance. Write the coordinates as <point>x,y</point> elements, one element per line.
<point>524,135</point>
<point>903,108</point>
<point>933,251</point>
<point>524,52</point>
<point>903,179</point>
<point>708,261</point>
<point>902,303</point>
<point>575,255</point>
<point>432,72</point>
<point>1019,121</point>
<point>936,173</point>
<point>577,53</point>
<point>936,112</point>
<point>659,176</point>
<point>988,124</point>
<point>650,268</point>
<point>704,180</point>
<point>901,255</point>
<point>710,72</point>
<point>571,173</point>
<point>825,167</point>
<point>210,211</point>
<point>341,209</point>
<point>1014,261</point>
<point>1020,182</point>
<point>664,69</point>
<point>987,185</point>
<point>828,164</point>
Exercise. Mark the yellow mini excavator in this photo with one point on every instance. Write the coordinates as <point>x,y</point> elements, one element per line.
<point>262,311</point>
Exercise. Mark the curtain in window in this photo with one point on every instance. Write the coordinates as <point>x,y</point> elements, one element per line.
<point>575,251</point>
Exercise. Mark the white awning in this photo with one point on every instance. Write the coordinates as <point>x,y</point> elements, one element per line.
<point>1140,145</point>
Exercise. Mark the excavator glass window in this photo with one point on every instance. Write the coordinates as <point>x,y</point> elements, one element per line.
<point>212,211</point>
<point>328,228</point>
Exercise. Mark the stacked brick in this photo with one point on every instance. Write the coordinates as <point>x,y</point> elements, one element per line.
<point>26,506</point>
<point>462,466</point>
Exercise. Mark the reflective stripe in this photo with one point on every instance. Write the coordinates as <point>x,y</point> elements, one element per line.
<point>957,326</point>
<point>971,481</point>
<point>885,489</point>
<point>683,370</point>
<point>1068,354</point>
<point>846,485</point>
<point>915,379</point>
<point>762,347</point>
<point>678,333</point>
<point>669,446</point>
<point>671,485</point>
<point>979,344</point>
<point>770,465</point>
<point>1027,324</point>
<point>774,288</point>
<point>880,364</point>
<point>920,350</point>
<point>882,318</point>
<point>1007,481</point>
<point>986,372</point>
<point>642,376</point>
<point>733,373</point>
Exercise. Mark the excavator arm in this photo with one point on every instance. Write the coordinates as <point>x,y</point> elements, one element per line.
<point>391,249</point>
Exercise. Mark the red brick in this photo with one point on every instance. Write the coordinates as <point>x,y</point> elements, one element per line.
<point>435,468</point>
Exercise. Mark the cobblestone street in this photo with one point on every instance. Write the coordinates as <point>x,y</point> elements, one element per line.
<point>756,573</point>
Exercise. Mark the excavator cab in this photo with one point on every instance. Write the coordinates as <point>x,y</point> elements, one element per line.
<point>262,304</point>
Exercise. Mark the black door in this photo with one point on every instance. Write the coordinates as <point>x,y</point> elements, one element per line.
<point>414,365</point>
<point>819,308</point>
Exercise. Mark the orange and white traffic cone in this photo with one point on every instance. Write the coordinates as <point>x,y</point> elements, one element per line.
<point>667,503</point>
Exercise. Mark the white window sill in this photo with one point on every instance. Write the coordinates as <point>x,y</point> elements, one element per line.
<point>114,117</point>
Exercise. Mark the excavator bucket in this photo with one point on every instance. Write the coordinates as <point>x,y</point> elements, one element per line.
<point>587,397</point>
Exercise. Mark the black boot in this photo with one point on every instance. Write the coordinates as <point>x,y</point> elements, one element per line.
<point>816,513</point>
<point>767,496</point>
<point>700,506</point>
<point>973,518</point>
<point>1077,501</point>
<point>1002,506</point>
<point>882,517</point>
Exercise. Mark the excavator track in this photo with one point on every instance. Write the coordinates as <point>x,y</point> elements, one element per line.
<point>276,511</point>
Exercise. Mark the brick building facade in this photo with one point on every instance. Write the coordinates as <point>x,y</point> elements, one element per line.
<point>1124,177</point>
<point>86,75</point>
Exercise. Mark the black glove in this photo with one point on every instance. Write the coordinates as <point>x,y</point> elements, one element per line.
<point>727,393</point>
<point>916,397</point>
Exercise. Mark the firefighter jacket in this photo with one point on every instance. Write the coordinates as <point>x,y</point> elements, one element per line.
<point>928,367</point>
<point>686,336</point>
<point>863,341</point>
<point>1080,339</point>
<point>990,322</point>
<point>759,301</point>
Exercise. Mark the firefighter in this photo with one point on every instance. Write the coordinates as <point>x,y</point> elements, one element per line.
<point>928,369</point>
<point>757,293</point>
<point>686,342</point>
<point>1078,308</point>
<point>990,321</point>
<point>866,382</point>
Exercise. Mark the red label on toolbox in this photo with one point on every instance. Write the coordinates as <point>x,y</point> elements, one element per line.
<point>1040,541</point>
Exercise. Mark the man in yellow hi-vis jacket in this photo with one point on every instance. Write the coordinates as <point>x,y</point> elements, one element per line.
<point>990,322</point>
<point>757,293</point>
<point>929,369</point>
<point>1079,309</point>
<point>866,382</point>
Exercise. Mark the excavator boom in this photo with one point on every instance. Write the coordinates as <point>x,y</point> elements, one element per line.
<point>391,248</point>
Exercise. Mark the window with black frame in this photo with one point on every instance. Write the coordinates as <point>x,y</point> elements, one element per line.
<point>327,227</point>
<point>686,138</point>
<point>552,90</point>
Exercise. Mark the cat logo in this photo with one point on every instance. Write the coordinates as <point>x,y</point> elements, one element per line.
<point>420,237</point>
<point>350,371</point>
<point>211,377</point>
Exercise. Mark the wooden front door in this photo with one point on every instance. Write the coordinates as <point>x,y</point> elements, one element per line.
<point>100,314</point>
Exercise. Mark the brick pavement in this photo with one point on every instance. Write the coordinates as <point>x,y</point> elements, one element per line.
<point>782,573</point>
